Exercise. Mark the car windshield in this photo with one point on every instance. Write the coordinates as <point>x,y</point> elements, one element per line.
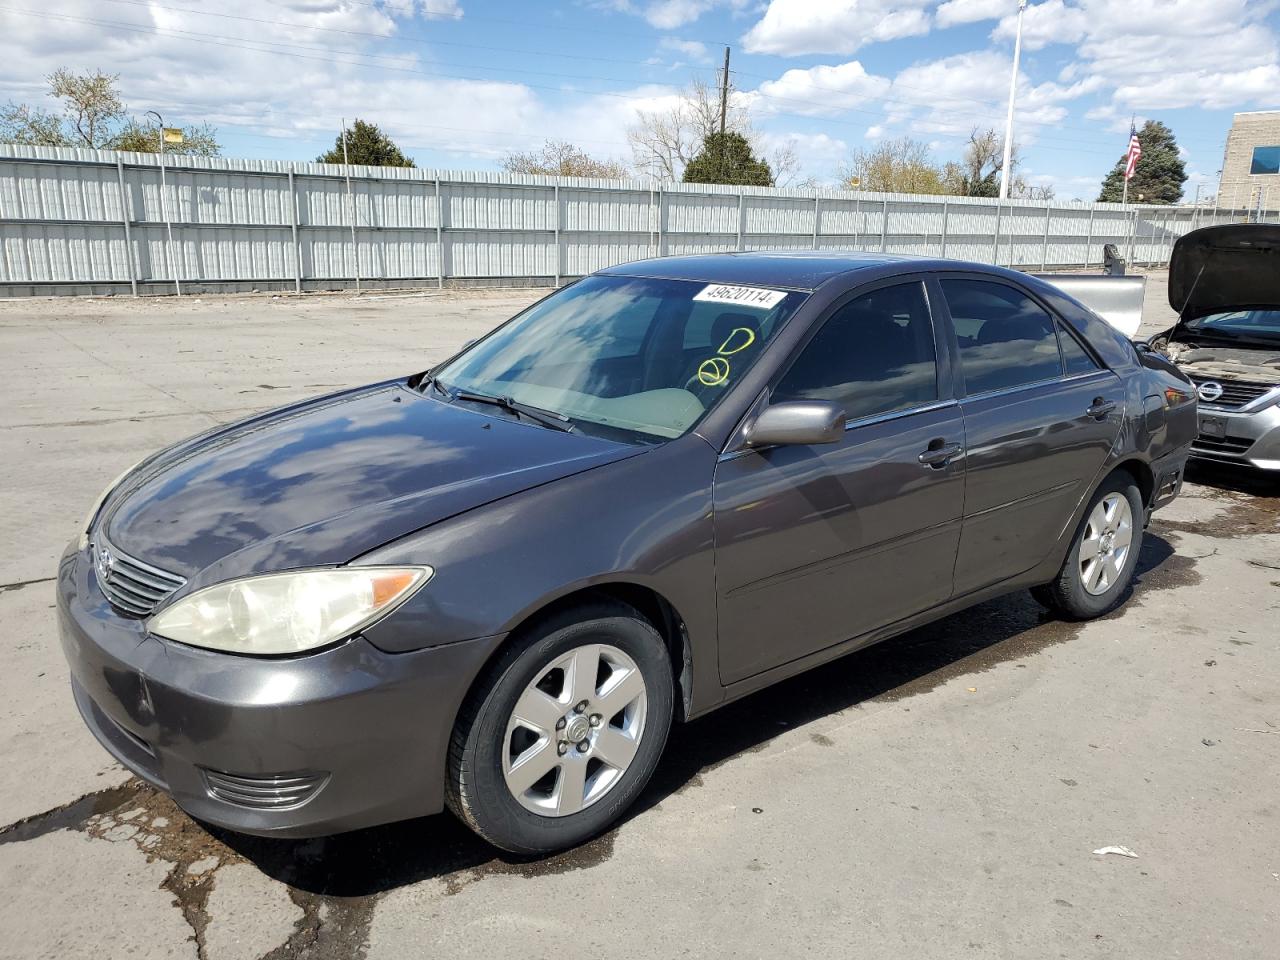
<point>632,358</point>
<point>1245,324</point>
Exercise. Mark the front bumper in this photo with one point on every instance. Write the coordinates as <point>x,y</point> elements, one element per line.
<point>307,746</point>
<point>1250,437</point>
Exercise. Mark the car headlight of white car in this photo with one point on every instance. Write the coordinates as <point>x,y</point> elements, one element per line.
<point>281,613</point>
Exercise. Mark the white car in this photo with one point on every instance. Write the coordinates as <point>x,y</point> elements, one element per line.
<point>1224,282</point>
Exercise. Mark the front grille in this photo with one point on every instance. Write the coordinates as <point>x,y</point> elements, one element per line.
<point>264,793</point>
<point>1222,444</point>
<point>133,587</point>
<point>1235,393</point>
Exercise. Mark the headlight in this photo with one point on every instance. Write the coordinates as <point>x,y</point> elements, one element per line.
<point>287,612</point>
<point>97,505</point>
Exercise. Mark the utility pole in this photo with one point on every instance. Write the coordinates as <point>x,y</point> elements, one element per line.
<point>724,109</point>
<point>1013,90</point>
<point>351,204</point>
<point>724,92</point>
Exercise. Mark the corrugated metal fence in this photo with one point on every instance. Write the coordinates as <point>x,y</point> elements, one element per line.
<point>97,221</point>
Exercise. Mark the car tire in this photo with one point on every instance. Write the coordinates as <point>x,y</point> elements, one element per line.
<point>1098,569</point>
<point>525,719</point>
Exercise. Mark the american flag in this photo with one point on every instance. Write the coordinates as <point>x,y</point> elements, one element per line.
<point>1134,154</point>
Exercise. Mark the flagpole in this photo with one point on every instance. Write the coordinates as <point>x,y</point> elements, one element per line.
<point>1124,197</point>
<point>1013,90</point>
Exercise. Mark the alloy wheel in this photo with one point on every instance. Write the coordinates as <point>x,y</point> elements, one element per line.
<point>1108,537</point>
<point>574,730</point>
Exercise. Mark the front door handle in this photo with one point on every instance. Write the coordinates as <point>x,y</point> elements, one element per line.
<point>939,456</point>
<point>1100,407</point>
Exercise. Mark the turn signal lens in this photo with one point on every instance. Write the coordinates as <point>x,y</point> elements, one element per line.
<point>283,613</point>
<point>1173,397</point>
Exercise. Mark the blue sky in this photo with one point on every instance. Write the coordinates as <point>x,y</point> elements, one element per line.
<point>458,83</point>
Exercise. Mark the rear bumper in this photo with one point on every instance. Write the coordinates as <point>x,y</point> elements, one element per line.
<point>1167,474</point>
<point>1252,437</point>
<point>345,738</point>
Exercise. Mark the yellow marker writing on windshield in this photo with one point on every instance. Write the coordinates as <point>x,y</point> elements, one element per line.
<point>748,338</point>
<point>713,372</point>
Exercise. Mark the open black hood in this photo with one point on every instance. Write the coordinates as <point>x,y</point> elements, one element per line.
<point>1235,266</point>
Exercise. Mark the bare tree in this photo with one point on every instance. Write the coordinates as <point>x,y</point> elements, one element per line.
<point>31,126</point>
<point>91,103</point>
<point>894,166</point>
<point>93,116</point>
<point>1026,191</point>
<point>559,158</point>
<point>978,172</point>
<point>198,140</point>
<point>786,167</point>
<point>664,141</point>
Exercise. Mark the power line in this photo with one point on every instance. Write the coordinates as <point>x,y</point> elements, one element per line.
<point>419,39</point>
<point>524,24</point>
<point>266,46</point>
<point>416,38</point>
<point>917,103</point>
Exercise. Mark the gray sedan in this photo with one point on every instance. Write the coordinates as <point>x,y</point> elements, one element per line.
<point>494,585</point>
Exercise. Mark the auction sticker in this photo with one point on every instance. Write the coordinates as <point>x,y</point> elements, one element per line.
<point>741,296</point>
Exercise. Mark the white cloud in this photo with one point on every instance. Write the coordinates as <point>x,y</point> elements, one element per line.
<point>1163,54</point>
<point>821,90</point>
<point>694,50</point>
<point>669,14</point>
<point>244,83</point>
<point>955,12</point>
<point>795,27</point>
<point>958,81</point>
<point>819,155</point>
<point>439,9</point>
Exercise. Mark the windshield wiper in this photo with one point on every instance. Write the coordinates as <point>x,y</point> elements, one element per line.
<point>429,379</point>
<point>548,418</point>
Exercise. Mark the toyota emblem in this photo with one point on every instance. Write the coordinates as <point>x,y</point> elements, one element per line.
<point>105,561</point>
<point>1209,392</point>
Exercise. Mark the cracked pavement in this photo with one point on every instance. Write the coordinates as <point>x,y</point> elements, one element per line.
<point>939,794</point>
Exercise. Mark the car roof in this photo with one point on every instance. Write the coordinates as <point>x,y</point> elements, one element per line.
<point>792,269</point>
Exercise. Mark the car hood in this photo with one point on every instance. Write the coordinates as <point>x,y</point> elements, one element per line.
<point>1230,267</point>
<point>326,481</point>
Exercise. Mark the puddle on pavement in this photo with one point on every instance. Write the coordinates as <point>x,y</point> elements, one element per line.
<point>1250,500</point>
<point>335,881</point>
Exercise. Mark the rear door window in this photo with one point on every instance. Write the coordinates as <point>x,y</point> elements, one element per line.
<point>1006,339</point>
<point>873,355</point>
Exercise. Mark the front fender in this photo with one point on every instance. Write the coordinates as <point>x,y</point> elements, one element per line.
<point>645,520</point>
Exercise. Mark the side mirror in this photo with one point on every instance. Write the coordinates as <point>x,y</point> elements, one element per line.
<point>797,422</point>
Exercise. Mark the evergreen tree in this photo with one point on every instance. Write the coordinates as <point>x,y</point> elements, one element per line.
<point>727,158</point>
<point>367,145</point>
<point>1160,173</point>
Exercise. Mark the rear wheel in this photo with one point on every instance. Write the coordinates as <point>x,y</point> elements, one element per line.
<point>563,732</point>
<point>1100,564</point>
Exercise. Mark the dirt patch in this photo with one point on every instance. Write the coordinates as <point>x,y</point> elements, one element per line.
<point>1244,516</point>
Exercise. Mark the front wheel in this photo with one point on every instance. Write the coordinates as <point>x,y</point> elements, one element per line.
<point>564,731</point>
<point>1103,556</point>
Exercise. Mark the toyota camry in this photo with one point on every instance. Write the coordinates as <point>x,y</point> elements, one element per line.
<point>494,585</point>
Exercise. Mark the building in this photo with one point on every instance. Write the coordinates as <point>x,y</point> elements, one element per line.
<point>1251,166</point>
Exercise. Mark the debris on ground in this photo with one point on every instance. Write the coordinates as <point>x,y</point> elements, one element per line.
<point>1118,851</point>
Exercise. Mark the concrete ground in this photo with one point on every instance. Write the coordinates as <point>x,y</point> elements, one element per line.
<point>941,795</point>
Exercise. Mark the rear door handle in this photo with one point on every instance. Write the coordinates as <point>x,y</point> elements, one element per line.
<point>940,456</point>
<point>1100,408</point>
